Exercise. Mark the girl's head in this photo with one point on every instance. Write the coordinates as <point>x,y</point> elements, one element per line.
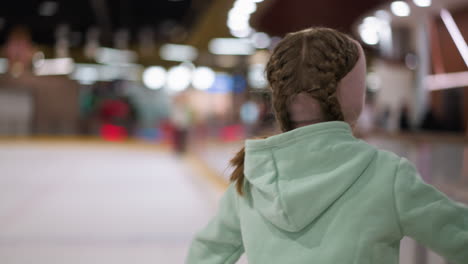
<point>316,75</point>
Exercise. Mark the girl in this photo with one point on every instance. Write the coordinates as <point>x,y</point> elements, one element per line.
<point>315,193</point>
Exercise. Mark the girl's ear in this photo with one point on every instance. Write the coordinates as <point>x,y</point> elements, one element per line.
<point>351,90</point>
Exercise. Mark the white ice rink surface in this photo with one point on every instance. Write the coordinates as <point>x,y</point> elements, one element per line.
<point>74,203</point>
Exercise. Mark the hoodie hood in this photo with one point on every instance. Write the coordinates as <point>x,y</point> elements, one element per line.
<point>295,176</point>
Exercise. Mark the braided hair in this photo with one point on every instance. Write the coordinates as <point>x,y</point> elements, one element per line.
<point>311,61</point>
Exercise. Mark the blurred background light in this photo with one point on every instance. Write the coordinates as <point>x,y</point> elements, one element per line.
<point>86,73</point>
<point>411,61</point>
<point>376,30</point>
<point>383,15</point>
<point>369,33</point>
<point>48,8</point>
<point>238,20</point>
<point>373,81</point>
<point>154,77</point>
<point>231,46</point>
<point>176,52</point>
<point>237,17</point>
<point>115,56</point>
<point>203,78</point>
<point>371,20</point>
<point>400,8</point>
<point>256,76</point>
<point>223,84</point>
<point>130,72</point>
<point>423,3</point>
<point>60,66</point>
<point>245,6</point>
<point>260,40</point>
<point>38,59</point>
<point>3,65</point>
<point>446,81</point>
<point>455,33</point>
<point>249,113</point>
<point>179,78</point>
<point>241,33</point>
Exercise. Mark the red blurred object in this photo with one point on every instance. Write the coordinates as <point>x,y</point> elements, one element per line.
<point>232,133</point>
<point>112,109</point>
<point>112,132</point>
<point>168,132</point>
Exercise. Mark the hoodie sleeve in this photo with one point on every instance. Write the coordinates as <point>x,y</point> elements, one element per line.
<point>220,242</point>
<point>429,217</point>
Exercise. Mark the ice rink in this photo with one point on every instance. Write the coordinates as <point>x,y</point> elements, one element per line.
<point>86,203</point>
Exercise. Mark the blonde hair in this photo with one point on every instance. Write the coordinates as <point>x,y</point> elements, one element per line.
<point>311,61</point>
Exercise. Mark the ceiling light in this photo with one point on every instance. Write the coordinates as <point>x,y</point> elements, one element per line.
<point>203,78</point>
<point>383,15</point>
<point>245,6</point>
<point>371,20</point>
<point>60,66</point>
<point>400,8</point>
<point>241,33</point>
<point>231,46</point>
<point>154,77</point>
<point>239,16</point>
<point>422,3</point>
<point>238,24</point>
<point>86,73</point>
<point>369,34</point>
<point>175,52</point>
<point>369,30</point>
<point>178,78</point>
<point>115,56</point>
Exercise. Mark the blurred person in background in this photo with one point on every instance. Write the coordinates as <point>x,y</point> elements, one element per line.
<point>181,119</point>
<point>396,86</point>
<point>315,192</point>
<point>16,104</point>
<point>19,51</point>
<point>52,101</point>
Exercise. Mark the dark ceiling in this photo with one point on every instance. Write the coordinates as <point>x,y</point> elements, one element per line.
<point>283,16</point>
<point>163,16</point>
<point>108,15</point>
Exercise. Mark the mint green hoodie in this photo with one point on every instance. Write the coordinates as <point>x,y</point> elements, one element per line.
<point>317,194</point>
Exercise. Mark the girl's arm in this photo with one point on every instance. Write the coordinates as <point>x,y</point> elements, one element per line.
<point>220,242</point>
<point>429,217</point>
